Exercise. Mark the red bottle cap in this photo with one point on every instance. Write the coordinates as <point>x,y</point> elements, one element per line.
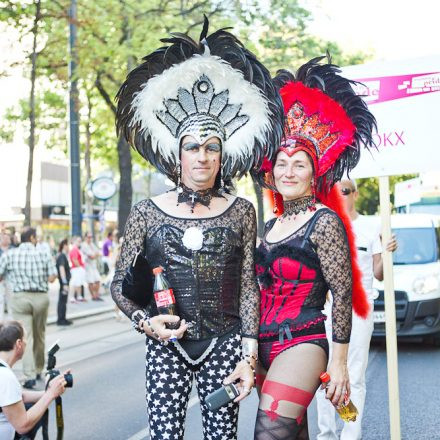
<point>157,270</point>
<point>325,377</point>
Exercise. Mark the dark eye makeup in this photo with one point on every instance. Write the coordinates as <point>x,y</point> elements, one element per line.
<point>192,146</point>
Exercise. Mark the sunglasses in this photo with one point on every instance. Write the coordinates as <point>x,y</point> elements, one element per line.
<point>347,191</point>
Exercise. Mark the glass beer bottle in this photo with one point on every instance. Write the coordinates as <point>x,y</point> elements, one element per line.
<point>164,297</point>
<point>347,411</point>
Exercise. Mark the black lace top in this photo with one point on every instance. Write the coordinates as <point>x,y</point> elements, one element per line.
<point>215,287</point>
<point>295,276</point>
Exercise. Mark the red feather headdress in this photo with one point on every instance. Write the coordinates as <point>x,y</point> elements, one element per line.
<point>327,120</point>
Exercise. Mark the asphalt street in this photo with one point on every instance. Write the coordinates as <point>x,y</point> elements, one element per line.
<point>107,401</point>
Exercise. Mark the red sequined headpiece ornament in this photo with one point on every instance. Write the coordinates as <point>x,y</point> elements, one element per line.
<point>315,124</point>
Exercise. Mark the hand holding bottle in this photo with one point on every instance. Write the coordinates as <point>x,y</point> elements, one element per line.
<point>346,410</point>
<point>160,325</point>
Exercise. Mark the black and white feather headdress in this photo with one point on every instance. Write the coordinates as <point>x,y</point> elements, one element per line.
<point>212,88</point>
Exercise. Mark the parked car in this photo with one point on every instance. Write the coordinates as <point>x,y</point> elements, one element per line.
<point>416,269</point>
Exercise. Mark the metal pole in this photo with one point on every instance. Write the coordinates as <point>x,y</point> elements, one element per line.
<point>75,178</point>
<point>390,311</point>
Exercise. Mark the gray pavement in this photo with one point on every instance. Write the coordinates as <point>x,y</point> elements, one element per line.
<point>108,396</point>
<point>107,401</point>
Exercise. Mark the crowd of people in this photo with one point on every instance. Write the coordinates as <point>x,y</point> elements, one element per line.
<point>80,266</point>
<point>273,315</point>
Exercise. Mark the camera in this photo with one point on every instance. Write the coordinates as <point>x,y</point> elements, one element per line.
<point>51,363</point>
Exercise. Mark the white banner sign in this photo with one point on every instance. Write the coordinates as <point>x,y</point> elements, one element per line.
<point>404,96</point>
<point>407,192</point>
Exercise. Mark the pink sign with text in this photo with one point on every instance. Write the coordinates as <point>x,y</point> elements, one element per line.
<point>388,88</point>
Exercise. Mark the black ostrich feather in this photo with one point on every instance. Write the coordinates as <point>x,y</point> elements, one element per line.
<point>181,47</point>
<point>265,259</point>
<point>326,77</point>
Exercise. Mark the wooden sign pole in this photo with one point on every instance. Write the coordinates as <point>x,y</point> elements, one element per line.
<point>390,311</point>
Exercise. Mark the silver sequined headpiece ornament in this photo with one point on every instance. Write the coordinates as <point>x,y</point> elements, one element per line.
<point>201,113</point>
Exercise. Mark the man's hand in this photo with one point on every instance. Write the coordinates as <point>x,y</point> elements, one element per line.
<point>244,373</point>
<point>392,244</point>
<point>158,323</point>
<point>57,385</point>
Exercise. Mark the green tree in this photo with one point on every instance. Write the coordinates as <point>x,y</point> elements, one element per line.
<point>29,18</point>
<point>368,201</point>
<point>114,35</point>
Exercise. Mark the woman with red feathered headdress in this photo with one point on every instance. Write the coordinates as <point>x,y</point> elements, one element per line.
<point>308,248</point>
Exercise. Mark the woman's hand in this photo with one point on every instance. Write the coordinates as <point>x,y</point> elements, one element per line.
<point>338,389</point>
<point>158,324</point>
<point>244,373</point>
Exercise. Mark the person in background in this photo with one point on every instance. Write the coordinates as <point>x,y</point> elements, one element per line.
<point>114,256</point>
<point>369,251</point>
<point>63,269</point>
<point>5,291</point>
<point>14,415</point>
<point>29,270</point>
<point>91,254</point>
<point>106,251</point>
<point>43,245</point>
<point>77,270</point>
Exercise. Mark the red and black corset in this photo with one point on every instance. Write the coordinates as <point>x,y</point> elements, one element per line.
<point>293,289</point>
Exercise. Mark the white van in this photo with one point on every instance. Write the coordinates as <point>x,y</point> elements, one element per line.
<point>416,278</point>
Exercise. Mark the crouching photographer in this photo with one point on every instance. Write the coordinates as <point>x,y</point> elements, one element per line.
<point>14,416</point>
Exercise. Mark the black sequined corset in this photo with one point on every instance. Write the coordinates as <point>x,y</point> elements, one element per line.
<point>206,282</point>
<point>214,282</point>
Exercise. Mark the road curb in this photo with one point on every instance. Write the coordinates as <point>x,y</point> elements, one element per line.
<point>51,320</point>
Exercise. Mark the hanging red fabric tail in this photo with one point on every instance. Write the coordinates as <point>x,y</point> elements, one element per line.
<point>359,297</point>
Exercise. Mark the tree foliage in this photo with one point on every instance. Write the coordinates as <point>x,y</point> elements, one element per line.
<point>114,35</point>
<point>368,201</point>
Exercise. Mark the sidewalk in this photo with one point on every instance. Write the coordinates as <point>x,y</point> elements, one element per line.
<point>78,310</point>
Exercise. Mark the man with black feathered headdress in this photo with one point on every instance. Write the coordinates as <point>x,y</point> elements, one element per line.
<point>202,113</point>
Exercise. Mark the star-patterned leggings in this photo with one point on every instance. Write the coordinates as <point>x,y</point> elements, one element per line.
<point>168,385</point>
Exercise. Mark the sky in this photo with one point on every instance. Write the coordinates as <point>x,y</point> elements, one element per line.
<point>388,29</point>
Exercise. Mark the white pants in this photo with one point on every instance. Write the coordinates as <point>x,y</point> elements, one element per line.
<point>358,350</point>
<point>78,276</point>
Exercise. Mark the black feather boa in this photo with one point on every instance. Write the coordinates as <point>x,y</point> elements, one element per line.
<point>265,259</point>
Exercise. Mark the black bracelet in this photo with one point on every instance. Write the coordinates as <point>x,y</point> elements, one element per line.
<point>136,318</point>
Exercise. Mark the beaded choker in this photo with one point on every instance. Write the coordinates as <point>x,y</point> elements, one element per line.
<point>294,207</point>
<point>191,197</point>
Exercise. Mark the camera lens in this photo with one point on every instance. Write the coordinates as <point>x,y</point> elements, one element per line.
<point>69,379</point>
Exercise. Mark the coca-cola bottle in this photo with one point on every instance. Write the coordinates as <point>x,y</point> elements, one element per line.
<point>164,297</point>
